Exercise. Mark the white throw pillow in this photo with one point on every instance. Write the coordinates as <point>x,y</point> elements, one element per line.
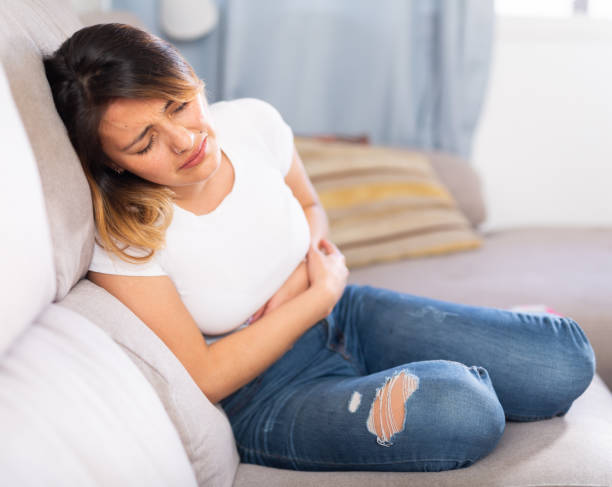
<point>75,411</point>
<point>27,280</point>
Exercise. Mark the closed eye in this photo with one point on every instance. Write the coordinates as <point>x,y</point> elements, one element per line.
<point>181,106</point>
<point>147,148</point>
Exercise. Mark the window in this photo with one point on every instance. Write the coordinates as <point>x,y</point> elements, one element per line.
<point>601,9</point>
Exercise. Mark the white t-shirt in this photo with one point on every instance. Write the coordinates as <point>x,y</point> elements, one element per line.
<point>227,263</point>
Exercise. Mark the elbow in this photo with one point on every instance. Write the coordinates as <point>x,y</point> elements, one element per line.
<point>213,391</point>
<point>211,379</point>
<point>216,392</point>
<point>213,397</point>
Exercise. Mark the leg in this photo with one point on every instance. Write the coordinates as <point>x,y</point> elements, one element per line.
<point>425,416</point>
<point>538,364</point>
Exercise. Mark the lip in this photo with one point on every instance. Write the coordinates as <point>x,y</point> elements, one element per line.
<point>196,158</point>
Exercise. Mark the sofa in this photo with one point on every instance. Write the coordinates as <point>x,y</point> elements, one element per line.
<point>90,396</point>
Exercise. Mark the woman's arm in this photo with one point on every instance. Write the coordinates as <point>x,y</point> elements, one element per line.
<point>295,284</point>
<point>317,222</point>
<point>298,181</point>
<point>233,361</point>
<point>303,190</point>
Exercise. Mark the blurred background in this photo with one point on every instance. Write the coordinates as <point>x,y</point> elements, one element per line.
<point>520,89</point>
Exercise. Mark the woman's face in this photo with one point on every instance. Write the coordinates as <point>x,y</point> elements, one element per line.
<point>155,138</point>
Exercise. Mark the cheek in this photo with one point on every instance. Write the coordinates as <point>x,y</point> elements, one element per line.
<point>151,168</point>
<point>205,120</point>
<point>157,163</point>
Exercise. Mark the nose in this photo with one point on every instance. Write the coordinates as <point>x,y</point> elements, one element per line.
<point>181,138</point>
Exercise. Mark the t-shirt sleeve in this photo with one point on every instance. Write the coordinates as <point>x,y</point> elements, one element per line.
<point>274,131</point>
<point>109,263</point>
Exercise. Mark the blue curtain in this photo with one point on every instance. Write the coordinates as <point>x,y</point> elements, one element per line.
<point>404,72</point>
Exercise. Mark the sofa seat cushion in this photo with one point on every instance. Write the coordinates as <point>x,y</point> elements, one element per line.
<point>569,450</point>
<point>567,269</point>
<point>75,411</point>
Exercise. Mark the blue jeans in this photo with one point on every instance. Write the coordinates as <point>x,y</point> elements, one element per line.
<point>397,382</point>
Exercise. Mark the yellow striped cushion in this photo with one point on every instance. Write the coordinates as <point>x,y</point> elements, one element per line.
<point>384,203</point>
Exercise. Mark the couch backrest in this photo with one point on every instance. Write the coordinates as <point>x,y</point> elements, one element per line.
<point>29,29</point>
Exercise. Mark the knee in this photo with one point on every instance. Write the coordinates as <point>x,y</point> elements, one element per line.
<point>454,411</point>
<point>449,410</point>
<point>579,362</point>
<point>471,415</point>
<point>547,384</point>
<point>574,368</point>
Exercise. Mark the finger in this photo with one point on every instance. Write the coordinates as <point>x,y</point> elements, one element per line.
<point>331,247</point>
<point>323,242</point>
<point>326,245</point>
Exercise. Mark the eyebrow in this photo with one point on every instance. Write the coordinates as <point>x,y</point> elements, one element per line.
<point>146,129</point>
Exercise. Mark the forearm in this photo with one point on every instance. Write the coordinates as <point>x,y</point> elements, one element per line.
<point>235,360</point>
<point>317,222</point>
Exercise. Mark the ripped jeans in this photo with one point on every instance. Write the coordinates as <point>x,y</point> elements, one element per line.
<point>397,382</point>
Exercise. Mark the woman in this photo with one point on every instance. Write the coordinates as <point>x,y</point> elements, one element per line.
<point>209,230</point>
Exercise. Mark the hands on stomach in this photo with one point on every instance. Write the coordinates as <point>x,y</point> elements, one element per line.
<point>324,268</point>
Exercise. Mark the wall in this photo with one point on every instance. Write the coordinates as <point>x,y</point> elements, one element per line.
<point>201,53</point>
<point>544,143</point>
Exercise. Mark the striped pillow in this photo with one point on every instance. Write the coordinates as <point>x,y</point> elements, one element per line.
<point>384,203</point>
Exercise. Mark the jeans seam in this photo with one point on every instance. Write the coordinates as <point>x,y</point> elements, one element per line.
<point>531,417</point>
<point>353,464</point>
<point>514,417</point>
<point>363,364</point>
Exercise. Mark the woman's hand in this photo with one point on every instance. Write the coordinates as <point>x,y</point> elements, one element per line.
<point>296,284</point>
<point>327,271</point>
<point>326,268</point>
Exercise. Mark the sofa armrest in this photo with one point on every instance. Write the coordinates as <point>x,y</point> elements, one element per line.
<point>463,182</point>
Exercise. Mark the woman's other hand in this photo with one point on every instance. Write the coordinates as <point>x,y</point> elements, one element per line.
<point>327,271</point>
<point>296,284</point>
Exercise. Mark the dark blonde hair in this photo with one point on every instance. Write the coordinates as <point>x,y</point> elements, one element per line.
<point>95,66</point>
